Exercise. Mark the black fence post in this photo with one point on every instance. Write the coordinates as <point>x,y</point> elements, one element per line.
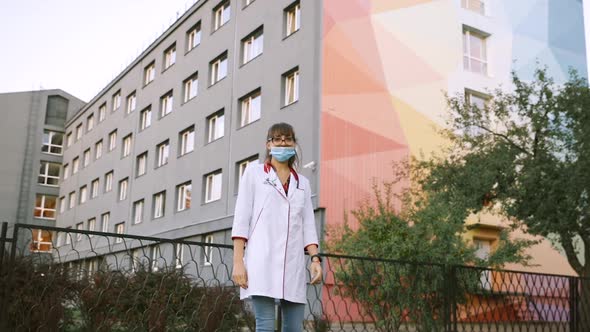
<point>450,300</point>
<point>3,242</point>
<point>573,304</point>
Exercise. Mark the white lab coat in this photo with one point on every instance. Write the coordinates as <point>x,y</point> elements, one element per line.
<point>276,228</point>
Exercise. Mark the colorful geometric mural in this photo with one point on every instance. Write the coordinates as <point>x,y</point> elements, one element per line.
<point>387,65</point>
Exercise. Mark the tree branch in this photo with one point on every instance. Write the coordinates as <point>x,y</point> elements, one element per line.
<point>505,138</point>
<point>566,242</point>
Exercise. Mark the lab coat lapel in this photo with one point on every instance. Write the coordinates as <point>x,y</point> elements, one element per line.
<point>274,178</point>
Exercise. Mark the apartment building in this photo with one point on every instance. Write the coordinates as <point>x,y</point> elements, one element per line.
<point>32,133</point>
<point>160,150</point>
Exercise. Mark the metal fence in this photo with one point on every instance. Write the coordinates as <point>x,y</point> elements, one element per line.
<point>57,279</point>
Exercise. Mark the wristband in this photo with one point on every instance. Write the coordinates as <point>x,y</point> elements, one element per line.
<point>314,256</point>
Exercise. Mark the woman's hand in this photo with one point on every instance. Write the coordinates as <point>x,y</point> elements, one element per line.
<point>316,272</point>
<point>239,275</point>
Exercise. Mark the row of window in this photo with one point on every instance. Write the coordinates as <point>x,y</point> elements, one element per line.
<point>45,206</point>
<point>155,261</point>
<point>251,47</point>
<point>250,107</point>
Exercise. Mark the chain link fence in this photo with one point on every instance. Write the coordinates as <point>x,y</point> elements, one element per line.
<point>58,279</point>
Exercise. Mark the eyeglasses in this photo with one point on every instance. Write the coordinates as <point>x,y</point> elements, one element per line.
<point>277,140</point>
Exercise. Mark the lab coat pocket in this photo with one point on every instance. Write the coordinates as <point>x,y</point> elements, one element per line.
<point>297,201</point>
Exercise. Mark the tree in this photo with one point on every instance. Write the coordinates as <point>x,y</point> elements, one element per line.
<point>417,234</point>
<point>527,152</point>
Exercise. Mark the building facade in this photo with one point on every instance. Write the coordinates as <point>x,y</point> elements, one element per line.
<point>159,151</point>
<point>32,134</point>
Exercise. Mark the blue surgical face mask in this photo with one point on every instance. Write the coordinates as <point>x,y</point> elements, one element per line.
<point>282,153</point>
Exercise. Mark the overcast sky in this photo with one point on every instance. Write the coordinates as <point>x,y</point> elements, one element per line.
<point>79,46</point>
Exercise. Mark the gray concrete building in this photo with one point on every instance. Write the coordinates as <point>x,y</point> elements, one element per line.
<point>31,134</point>
<point>160,150</point>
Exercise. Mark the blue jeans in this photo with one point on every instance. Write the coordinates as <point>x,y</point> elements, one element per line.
<point>264,311</point>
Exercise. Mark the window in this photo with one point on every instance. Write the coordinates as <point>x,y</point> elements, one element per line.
<point>102,112</point>
<point>138,212</point>
<point>83,194</point>
<point>291,86</point>
<point>166,102</point>
<point>292,18</point>
<point>90,122</point>
<point>45,206</point>
<point>75,165</point>
<point>131,103</point>
<point>69,139</point>
<point>193,37</point>
<point>79,132</point>
<point>68,235</point>
<point>126,145</point>
<point>159,204</point>
<point>474,52</point>
<point>221,15</point>
<point>49,174</point>
<point>119,229</point>
<point>252,45</point>
<point>145,118</point>
<point>218,68</point>
<point>178,254</point>
<point>52,142</point>
<point>41,241</point>
<point>169,56</point>
<point>241,167</point>
<point>105,218</point>
<point>62,204</point>
<point>155,255</point>
<point>116,100</point>
<point>56,110</point>
<point>250,108</point>
<point>483,250</point>
<point>72,200</point>
<point>123,184</point>
<point>476,99</point>
<point>183,193</point>
<point>213,186</point>
<point>92,225</point>
<point>163,151</point>
<point>141,163</point>
<point>477,6</point>
<point>79,227</point>
<point>191,85</point>
<point>108,182</point>
<point>215,126</point>
<point>66,171</point>
<point>187,141</point>
<point>208,251</point>
<point>113,140</point>
<point>149,73</point>
<point>98,150</point>
<point>86,159</point>
<point>94,188</point>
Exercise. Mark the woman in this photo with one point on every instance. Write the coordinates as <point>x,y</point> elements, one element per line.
<point>274,222</point>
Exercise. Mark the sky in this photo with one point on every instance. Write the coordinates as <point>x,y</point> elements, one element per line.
<point>79,46</point>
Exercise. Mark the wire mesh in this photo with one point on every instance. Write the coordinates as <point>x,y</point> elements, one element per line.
<point>59,279</point>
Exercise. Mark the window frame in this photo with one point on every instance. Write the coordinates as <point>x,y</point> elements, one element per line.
<point>45,206</point>
<point>186,139</point>
<point>248,43</point>
<point>291,87</point>
<point>141,162</point>
<point>187,86</point>
<point>138,207</point>
<point>145,118</point>
<point>292,12</point>
<point>215,66</point>
<point>102,112</point>
<point>210,186</point>
<point>123,188</point>
<point>169,56</point>
<point>108,181</point>
<point>219,119</point>
<point>112,140</point>
<point>131,104</point>
<point>166,104</point>
<point>94,188</point>
<point>193,42</point>
<point>184,201</point>
<point>160,148</point>
<point>116,101</point>
<point>127,142</point>
<point>219,14</point>
<point>159,197</point>
<point>44,172</point>
<point>246,107</point>
<point>149,73</point>
<point>468,58</point>
<point>50,134</point>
